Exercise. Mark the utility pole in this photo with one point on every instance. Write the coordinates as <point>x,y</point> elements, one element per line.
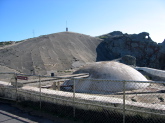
<point>66,27</point>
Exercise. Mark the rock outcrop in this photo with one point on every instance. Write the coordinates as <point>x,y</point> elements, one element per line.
<point>128,60</point>
<point>147,52</point>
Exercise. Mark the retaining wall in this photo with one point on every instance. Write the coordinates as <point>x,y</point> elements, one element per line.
<point>153,72</point>
<point>81,101</point>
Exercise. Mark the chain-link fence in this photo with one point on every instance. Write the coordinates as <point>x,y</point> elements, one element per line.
<point>87,100</point>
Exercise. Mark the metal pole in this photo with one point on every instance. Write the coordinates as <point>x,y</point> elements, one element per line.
<point>40,89</point>
<point>73,97</point>
<point>124,101</point>
<point>58,85</point>
<point>55,85</point>
<point>16,85</point>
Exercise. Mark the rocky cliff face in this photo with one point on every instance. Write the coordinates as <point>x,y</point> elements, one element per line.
<point>147,52</point>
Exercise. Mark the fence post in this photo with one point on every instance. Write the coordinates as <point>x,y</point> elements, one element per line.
<point>16,85</point>
<point>124,82</point>
<point>73,97</point>
<point>54,85</point>
<point>58,85</point>
<point>40,89</point>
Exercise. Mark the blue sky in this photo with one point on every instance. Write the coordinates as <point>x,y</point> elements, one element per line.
<point>19,18</point>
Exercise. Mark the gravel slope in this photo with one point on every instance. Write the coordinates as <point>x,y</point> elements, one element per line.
<point>49,53</point>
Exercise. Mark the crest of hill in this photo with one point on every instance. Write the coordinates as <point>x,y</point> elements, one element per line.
<point>53,52</point>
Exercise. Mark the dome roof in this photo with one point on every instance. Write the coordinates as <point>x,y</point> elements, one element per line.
<point>111,70</point>
<point>108,71</point>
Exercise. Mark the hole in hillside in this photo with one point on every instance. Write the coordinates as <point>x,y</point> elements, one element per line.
<point>146,37</point>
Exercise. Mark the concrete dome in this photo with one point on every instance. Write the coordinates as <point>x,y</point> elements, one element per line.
<point>108,71</point>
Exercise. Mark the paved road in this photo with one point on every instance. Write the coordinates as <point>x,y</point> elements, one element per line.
<point>10,114</point>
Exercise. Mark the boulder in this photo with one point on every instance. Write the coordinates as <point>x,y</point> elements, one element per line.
<point>128,60</point>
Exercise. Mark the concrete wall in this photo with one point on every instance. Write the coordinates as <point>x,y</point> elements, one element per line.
<point>82,101</point>
<point>153,72</point>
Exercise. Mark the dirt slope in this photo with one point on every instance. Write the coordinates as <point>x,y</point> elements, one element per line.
<point>49,53</point>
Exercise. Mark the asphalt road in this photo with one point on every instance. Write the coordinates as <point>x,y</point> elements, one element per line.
<point>10,114</point>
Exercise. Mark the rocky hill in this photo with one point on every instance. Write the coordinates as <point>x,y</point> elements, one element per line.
<point>50,53</point>
<point>67,50</point>
<point>141,46</point>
